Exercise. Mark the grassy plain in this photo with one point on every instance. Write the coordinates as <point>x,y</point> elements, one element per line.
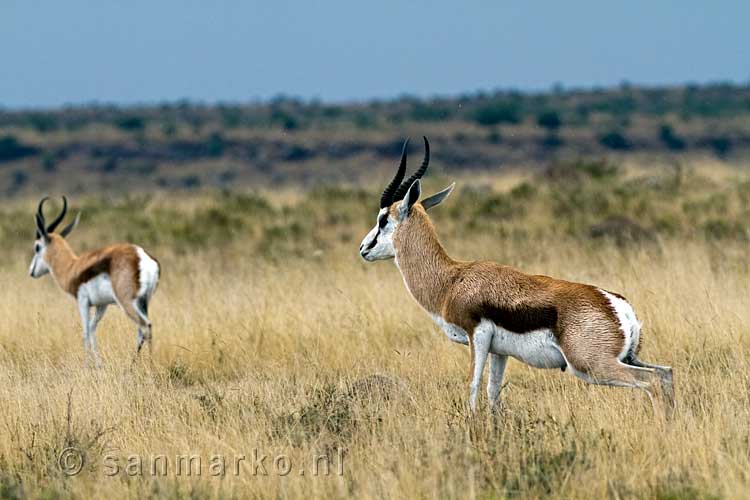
<point>271,334</point>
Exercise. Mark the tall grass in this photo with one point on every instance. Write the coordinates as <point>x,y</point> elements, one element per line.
<point>271,335</point>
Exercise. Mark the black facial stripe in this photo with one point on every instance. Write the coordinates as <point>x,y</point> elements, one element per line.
<point>373,242</point>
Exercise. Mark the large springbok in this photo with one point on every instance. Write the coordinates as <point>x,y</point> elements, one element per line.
<point>500,311</point>
<point>122,274</point>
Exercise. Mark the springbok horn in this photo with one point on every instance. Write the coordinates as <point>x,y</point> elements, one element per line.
<point>41,206</point>
<point>40,227</point>
<point>53,225</point>
<point>40,230</point>
<point>401,191</point>
<point>387,197</point>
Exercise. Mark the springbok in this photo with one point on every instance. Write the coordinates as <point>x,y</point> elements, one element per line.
<point>122,274</point>
<point>500,311</point>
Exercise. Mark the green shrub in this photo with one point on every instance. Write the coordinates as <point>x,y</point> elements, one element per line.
<point>615,140</point>
<point>497,113</point>
<point>670,139</point>
<point>131,123</point>
<point>11,149</point>
<point>549,120</point>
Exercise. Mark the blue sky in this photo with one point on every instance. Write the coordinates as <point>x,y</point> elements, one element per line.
<point>77,51</point>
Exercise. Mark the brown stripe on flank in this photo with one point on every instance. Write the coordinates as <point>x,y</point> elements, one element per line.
<point>518,320</point>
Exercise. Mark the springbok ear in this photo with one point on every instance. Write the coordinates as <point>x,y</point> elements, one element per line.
<point>412,196</point>
<point>437,198</point>
<point>69,228</point>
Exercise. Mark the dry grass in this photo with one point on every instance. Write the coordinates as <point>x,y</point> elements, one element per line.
<point>279,355</point>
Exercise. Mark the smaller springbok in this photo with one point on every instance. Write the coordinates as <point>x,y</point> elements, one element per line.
<point>500,311</point>
<point>122,274</point>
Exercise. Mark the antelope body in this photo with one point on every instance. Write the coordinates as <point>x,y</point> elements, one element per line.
<point>500,311</point>
<point>122,274</point>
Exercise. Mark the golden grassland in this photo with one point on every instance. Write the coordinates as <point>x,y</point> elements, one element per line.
<point>271,334</point>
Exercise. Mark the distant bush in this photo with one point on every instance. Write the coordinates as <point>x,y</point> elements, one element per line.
<point>19,179</point>
<point>190,182</point>
<point>670,139</point>
<point>552,140</point>
<point>43,122</point>
<point>615,140</point>
<point>11,149</point>
<point>430,112</point>
<point>722,229</point>
<point>497,113</point>
<point>549,120</point>
<point>364,120</point>
<point>215,145</point>
<point>575,172</point>
<point>494,137</point>
<point>284,118</point>
<point>720,145</point>
<point>169,128</point>
<point>109,165</point>
<point>231,117</point>
<point>130,123</point>
<point>49,162</point>
<point>297,152</point>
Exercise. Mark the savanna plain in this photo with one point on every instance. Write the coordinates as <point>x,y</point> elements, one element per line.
<point>273,338</point>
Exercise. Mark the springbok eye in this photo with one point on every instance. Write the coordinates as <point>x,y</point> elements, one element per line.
<point>383,221</point>
<point>37,247</point>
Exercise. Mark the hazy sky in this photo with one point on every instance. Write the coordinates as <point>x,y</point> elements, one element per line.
<point>77,51</point>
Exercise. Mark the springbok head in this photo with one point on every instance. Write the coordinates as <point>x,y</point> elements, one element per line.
<point>46,238</point>
<point>378,244</point>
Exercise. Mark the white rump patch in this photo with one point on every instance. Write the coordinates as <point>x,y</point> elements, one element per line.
<point>629,324</point>
<point>148,273</point>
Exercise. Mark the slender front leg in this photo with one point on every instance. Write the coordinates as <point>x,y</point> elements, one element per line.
<point>84,308</point>
<point>495,382</point>
<point>98,313</point>
<point>481,345</point>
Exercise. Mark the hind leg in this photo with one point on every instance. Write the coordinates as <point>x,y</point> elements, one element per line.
<point>98,314</point>
<point>665,374</point>
<point>603,368</point>
<point>144,329</point>
<point>137,310</point>
<point>495,381</point>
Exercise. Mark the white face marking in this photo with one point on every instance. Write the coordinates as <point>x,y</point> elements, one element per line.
<point>39,267</point>
<point>629,324</point>
<point>378,244</point>
<point>148,276</point>
<point>98,290</point>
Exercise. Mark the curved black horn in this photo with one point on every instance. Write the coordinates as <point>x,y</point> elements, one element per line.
<point>41,230</point>
<point>53,225</point>
<point>387,197</point>
<point>403,188</point>
<point>41,206</point>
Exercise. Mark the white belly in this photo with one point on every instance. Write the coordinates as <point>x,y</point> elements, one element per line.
<point>98,290</point>
<point>537,348</point>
